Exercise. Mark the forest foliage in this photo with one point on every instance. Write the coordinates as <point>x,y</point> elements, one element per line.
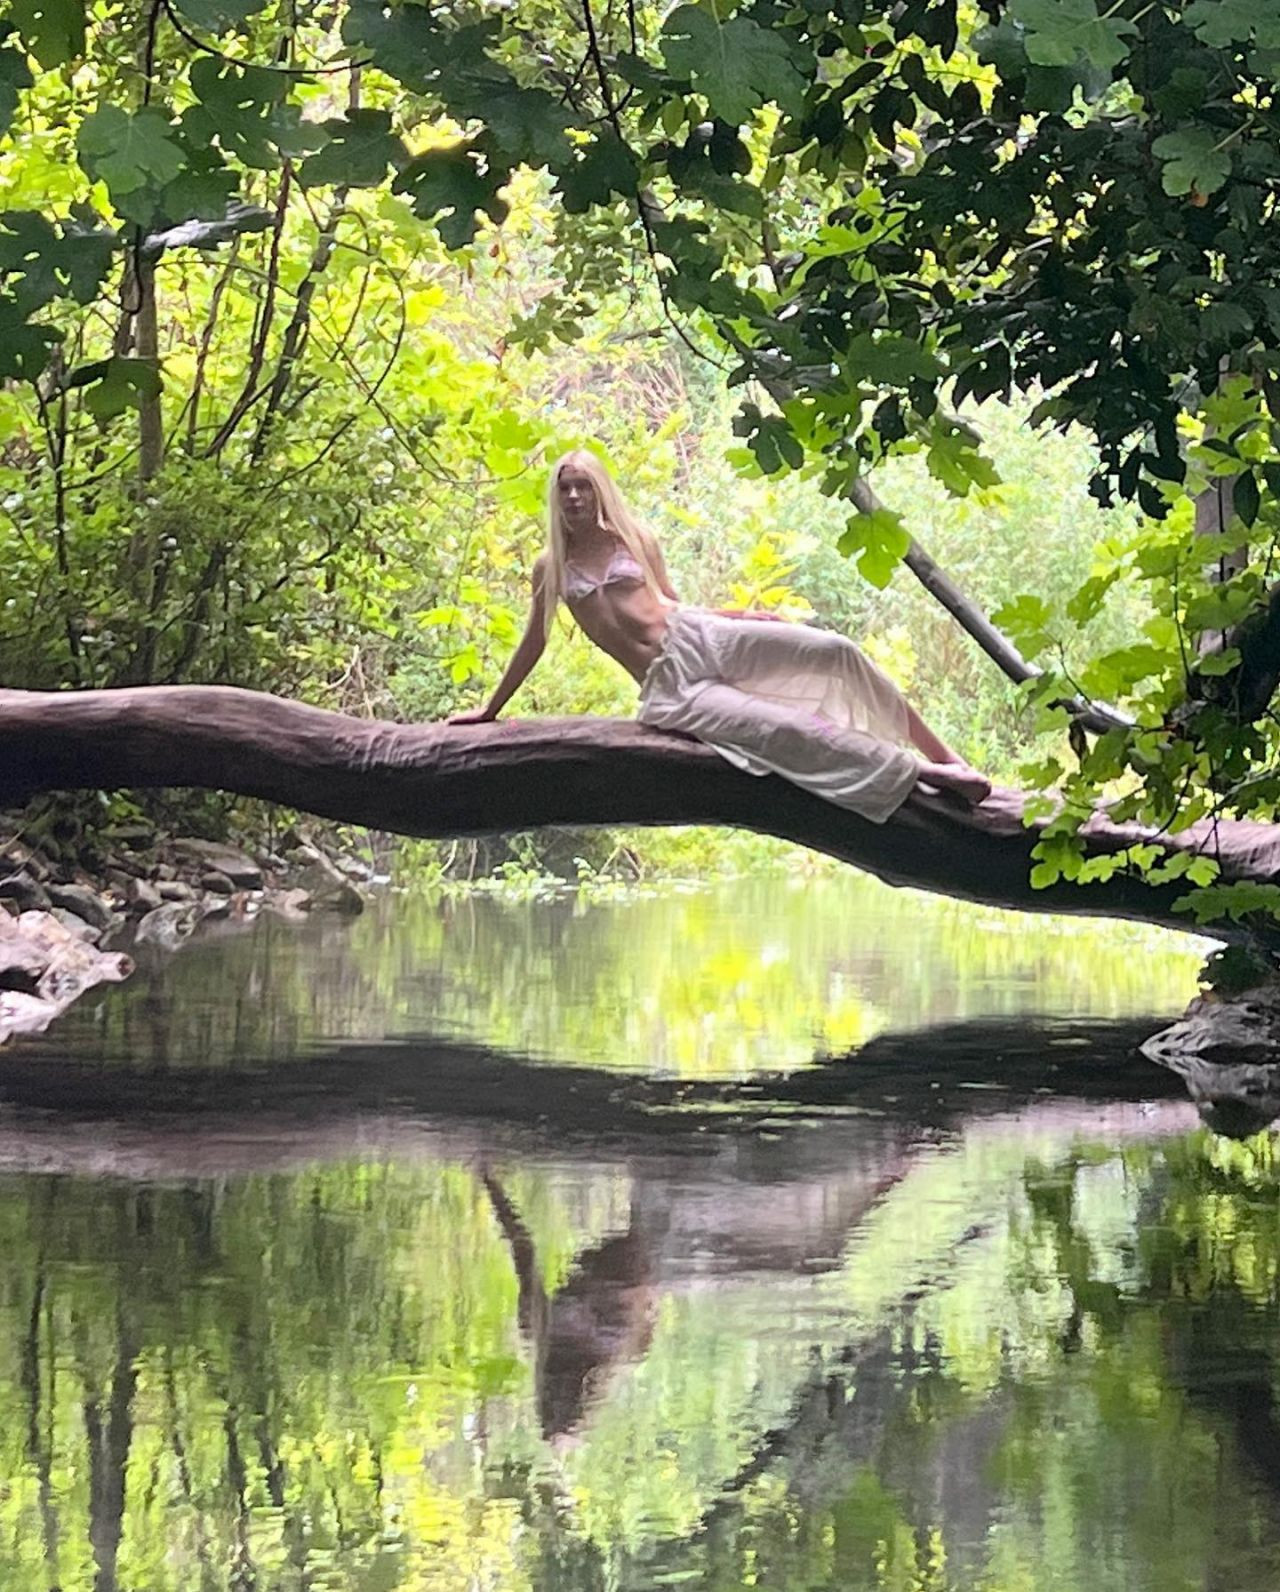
<point>296,301</point>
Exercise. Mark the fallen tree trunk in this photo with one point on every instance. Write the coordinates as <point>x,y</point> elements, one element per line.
<point>440,781</point>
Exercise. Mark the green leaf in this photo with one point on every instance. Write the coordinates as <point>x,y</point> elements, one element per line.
<point>527,125</point>
<point>24,347</point>
<point>361,147</point>
<point>605,168</point>
<point>128,152</point>
<point>736,64</point>
<point>879,539</point>
<point>1192,160</point>
<point>1060,31</point>
<point>198,195</point>
<point>119,384</point>
<point>219,16</point>
<point>1219,23</point>
<point>412,45</point>
<point>53,29</point>
<point>15,75</point>
<point>1218,663</point>
<point>887,359</point>
<point>954,459</point>
<point>453,181</point>
<point>1087,601</point>
<point>241,110</point>
<point>1246,499</point>
<point>49,262</point>
<point>1027,621</point>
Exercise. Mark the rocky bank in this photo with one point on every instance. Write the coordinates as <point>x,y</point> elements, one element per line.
<point>68,920</point>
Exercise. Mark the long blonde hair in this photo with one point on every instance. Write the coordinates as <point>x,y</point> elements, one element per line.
<point>614,516</point>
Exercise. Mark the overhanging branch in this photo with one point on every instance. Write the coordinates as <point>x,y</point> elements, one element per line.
<point>440,781</point>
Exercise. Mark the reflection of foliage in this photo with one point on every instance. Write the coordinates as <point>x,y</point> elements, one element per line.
<point>725,982</point>
<point>1043,1361</point>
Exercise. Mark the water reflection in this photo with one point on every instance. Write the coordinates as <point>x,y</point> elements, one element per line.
<point>710,983</point>
<point>971,1304</point>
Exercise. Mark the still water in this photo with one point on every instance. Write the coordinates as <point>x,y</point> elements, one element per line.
<point>791,1236</point>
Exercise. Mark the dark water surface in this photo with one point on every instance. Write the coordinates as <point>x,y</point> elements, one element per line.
<point>783,1236</point>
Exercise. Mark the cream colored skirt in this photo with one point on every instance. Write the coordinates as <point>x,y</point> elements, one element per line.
<point>777,698</point>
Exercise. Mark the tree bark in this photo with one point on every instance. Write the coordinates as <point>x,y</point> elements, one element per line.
<point>440,781</point>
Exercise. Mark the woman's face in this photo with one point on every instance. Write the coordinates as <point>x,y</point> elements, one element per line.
<point>578,505</point>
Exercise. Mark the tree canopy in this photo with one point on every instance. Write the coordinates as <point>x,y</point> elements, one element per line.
<point>873,219</point>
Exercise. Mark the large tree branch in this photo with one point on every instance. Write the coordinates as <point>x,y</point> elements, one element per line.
<point>438,780</point>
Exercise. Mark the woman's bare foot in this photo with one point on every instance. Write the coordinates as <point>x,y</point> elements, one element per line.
<point>959,778</point>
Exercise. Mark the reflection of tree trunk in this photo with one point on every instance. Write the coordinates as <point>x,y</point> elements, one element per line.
<point>179,1447</point>
<point>40,1445</point>
<point>109,1455</point>
<point>244,1578</point>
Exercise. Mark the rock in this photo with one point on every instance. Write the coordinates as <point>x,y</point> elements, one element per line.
<point>291,904</point>
<point>213,856</point>
<point>142,897</point>
<point>216,905</point>
<point>22,960</point>
<point>175,890</point>
<point>21,1013</point>
<point>269,862</point>
<point>354,868</point>
<point>9,908</point>
<point>169,925</point>
<point>1226,1050</point>
<point>162,870</point>
<point>85,903</point>
<point>29,894</point>
<point>69,968</point>
<point>217,883</point>
<point>75,924</point>
<point>30,862</point>
<point>330,890</point>
<point>125,862</point>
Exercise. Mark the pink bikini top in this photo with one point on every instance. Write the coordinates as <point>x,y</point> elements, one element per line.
<point>621,567</point>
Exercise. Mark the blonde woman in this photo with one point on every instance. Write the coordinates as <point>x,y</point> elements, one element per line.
<point>769,696</point>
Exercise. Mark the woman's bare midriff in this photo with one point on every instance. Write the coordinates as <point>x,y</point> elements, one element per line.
<point>626,621</point>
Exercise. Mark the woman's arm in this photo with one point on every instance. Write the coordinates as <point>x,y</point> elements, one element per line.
<point>531,647</point>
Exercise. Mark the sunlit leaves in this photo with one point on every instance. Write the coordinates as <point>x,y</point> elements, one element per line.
<point>1060,31</point>
<point>1193,158</point>
<point>1238,901</point>
<point>736,64</point>
<point>453,183</point>
<point>1028,621</point>
<point>360,150</point>
<point>53,29</point>
<point>954,458</point>
<point>878,540</point>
